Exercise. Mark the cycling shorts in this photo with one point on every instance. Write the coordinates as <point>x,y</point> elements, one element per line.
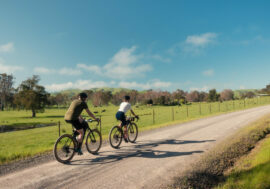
<point>122,117</point>
<point>77,124</point>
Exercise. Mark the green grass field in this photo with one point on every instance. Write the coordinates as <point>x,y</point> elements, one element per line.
<point>251,171</point>
<point>20,144</point>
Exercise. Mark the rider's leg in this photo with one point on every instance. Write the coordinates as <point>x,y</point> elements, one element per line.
<point>125,131</point>
<point>80,138</point>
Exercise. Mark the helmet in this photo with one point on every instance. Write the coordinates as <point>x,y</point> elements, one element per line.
<point>83,95</point>
<point>127,97</point>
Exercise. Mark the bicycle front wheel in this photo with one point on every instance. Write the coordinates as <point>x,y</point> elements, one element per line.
<point>64,148</point>
<point>115,137</point>
<point>93,141</point>
<point>132,132</point>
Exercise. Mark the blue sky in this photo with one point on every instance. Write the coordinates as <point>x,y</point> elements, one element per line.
<point>167,45</point>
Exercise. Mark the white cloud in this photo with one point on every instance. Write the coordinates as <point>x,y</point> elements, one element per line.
<point>204,88</point>
<point>7,47</point>
<point>124,64</point>
<point>125,56</point>
<point>62,71</point>
<point>69,71</point>
<point>160,58</point>
<point>201,40</point>
<point>194,44</point>
<point>156,84</point>
<point>93,68</point>
<point>208,73</point>
<point>256,39</point>
<point>80,84</point>
<point>161,84</point>
<point>242,87</point>
<point>8,68</point>
<point>43,70</point>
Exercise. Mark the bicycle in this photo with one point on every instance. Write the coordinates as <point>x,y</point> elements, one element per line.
<point>66,145</point>
<point>116,134</point>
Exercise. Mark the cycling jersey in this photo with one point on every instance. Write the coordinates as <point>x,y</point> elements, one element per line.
<point>75,109</point>
<point>124,107</point>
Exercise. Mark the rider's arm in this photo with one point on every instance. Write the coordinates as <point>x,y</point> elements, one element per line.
<point>91,114</point>
<point>133,112</point>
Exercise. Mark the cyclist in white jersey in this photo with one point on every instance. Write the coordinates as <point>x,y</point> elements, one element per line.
<point>120,115</point>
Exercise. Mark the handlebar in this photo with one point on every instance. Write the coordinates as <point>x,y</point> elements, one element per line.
<point>92,120</point>
<point>131,118</point>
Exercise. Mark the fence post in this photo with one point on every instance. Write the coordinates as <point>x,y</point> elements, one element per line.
<point>172,114</point>
<point>226,106</point>
<point>59,128</point>
<point>233,105</point>
<point>153,117</point>
<point>200,108</point>
<point>244,103</point>
<point>210,108</point>
<point>100,123</point>
<point>187,110</point>
<point>219,106</point>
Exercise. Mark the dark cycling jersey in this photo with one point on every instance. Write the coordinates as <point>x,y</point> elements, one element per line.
<point>75,110</point>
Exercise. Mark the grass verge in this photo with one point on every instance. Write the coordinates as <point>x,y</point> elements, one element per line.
<point>209,171</point>
<point>251,171</point>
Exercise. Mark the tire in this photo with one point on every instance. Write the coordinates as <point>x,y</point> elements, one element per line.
<point>115,137</point>
<point>132,132</point>
<point>64,148</point>
<point>93,141</point>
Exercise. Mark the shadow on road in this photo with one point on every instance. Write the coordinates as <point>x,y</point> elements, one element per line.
<point>142,150</point>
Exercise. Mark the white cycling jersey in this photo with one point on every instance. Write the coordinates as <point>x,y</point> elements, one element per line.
<point>124,107</point>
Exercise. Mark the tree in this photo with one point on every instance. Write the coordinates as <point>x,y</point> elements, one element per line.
<point>133,96</point>
<point>6,82</point>
<point>59,99</point>
<point>31,96</point>
<point>162,98</point>
<point>213,96</point>
<point>247,94</point>
<point>266,89</point>
<point>193,96</point>
<point>178,95</point>
<point>203,96</point>
<point>100,98</point>
<point>227,94</point>
<point>117,98</point>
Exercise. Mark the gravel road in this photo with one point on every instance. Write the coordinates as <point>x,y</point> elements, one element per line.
<point>152,162</point>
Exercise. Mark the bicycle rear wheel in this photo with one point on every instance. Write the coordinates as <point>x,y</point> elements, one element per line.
<point>64,148</point>
<point>132,132</point>
<point>93,141</point>
<point>115,137</point>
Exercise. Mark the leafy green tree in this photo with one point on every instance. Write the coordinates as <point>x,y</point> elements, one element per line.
<point>213,95</point>
<point>178,95</point>
<point>31,96</point>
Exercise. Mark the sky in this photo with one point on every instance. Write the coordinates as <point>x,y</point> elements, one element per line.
<point>153,44</point>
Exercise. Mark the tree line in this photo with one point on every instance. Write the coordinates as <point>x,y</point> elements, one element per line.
<point>30,95</point>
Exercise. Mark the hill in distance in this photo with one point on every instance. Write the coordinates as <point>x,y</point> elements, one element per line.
<point>72,92</point>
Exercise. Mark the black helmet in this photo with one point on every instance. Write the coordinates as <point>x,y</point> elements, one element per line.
<point>83,95</point>
<point>127,97</point>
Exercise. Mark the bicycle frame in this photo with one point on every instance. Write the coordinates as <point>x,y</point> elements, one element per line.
<point>75,132</point>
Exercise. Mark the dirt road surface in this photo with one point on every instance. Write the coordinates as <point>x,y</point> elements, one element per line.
<point>150,163</point>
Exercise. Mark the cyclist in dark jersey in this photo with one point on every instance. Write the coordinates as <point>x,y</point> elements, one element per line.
<point>73,116</point>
